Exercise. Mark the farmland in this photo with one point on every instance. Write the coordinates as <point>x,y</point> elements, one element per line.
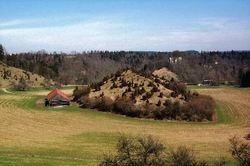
<point>33,135</point>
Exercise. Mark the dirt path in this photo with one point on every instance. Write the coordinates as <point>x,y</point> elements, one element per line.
<point>6,91</point>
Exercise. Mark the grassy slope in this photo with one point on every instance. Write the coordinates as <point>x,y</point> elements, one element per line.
<point>16,73</point>
<point>84,135</point>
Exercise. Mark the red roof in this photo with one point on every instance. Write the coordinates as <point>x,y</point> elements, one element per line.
<point>56,92</point>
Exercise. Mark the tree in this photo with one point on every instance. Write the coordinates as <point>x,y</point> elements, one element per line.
<point>137,152</point>
<point>240,151</point>
<point>146,151</point>
<point>2,56</point>
<point>244,78</point>
<point>80,92</point>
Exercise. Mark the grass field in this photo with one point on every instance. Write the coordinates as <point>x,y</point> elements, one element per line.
<point>33,135</point>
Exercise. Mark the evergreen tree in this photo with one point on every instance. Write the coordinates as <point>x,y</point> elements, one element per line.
<point>1,53</point>
<point>245,79</point>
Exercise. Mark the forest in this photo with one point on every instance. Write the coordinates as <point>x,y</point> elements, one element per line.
<point>193,67</point>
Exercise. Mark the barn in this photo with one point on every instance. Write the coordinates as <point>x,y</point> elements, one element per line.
<point>57,98</point>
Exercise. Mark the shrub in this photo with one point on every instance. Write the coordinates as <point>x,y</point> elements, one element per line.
<point>96,86</point>
<point>181,88</point>
<point>80,91</point>
<point>160,95</point>
<point>183,156</point>
<point>148,95</point>
<point>247,137</point>
<point>159,103</point>
<point>87,102</point>
<point>154,89</point>
<point>150,84</point>
<point>102,103</point>
<point>199,108</point>
<point>172,110</point>
<point>113,86</point>
<point>240,151</point>
<point>146,151</point>
<point>158,114</point>
<point>126,106</point>
<point>137,152</point>
<point>123,83</point>
<point>105,104</point>
<point>123,106</point>
<point>21,85</point>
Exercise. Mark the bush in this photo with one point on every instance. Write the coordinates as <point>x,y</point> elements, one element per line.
<point>125,106</point>
<point>159,103</point>
<point>137,152</point>
<point>183,156</point>
<point>105,104</point>
<point>158,114</point>
<point>96,86</point>
<point>80,91</point>
<point>199,108</point>
<point>21,85</point>
<point>247,137</point>
<point>113,86</point>
<point>146,151</point>
<point>154,89</point>
<point>172,110</point>
<point>160,95</point>
<point>102,104</point>
<point>87,102</point>
<point>240,151</point>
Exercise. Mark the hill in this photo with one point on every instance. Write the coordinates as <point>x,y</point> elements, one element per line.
<point>165,74</point>
<point>141,89</point>
<point>10,76</point>
<point>141,95</point>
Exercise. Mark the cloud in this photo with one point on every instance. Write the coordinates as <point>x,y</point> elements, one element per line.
<point>84,36</point>
<point>114,34</point>
<point>11,23</point>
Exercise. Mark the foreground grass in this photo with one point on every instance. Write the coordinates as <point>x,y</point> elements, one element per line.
<point>83,149</point>
<point>75,136</point>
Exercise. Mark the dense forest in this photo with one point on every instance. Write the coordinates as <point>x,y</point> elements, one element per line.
<point>87,67</point>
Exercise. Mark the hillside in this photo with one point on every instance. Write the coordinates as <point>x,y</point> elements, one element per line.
<point>140,89</point>
<point>10,76</point>
<point>165,74</point>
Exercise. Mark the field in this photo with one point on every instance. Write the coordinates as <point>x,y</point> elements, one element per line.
<point>33,135</point>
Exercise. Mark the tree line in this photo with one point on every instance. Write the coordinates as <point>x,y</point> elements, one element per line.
<point>87,67</point>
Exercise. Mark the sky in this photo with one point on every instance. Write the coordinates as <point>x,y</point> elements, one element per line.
<point>130,25</point>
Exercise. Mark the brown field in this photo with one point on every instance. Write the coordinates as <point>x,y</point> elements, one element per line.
<point>69,136</point>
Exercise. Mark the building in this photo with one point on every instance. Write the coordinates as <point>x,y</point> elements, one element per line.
<point>57,98</point>
<point>209,83</point>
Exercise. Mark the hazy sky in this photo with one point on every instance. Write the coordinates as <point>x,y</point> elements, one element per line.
<point>156,25</point>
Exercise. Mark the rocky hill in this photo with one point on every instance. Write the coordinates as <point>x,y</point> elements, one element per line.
<point>141,89</point>
<point>141,95</point>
